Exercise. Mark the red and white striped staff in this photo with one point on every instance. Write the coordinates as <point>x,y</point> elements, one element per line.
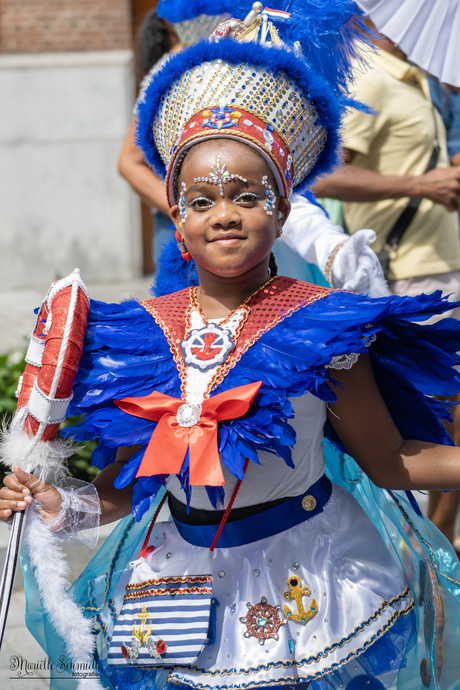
<point>44,392</point>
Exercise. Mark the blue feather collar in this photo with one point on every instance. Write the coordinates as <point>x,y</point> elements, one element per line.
<point>127,354</point>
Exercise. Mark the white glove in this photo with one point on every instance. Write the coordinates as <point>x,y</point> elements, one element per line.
<point>357,268</point>
<point>352,266</point>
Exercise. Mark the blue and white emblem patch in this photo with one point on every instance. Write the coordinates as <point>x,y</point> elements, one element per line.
<point>207,347</point>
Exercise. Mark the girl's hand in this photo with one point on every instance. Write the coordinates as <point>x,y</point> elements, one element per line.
<point>19,491</point>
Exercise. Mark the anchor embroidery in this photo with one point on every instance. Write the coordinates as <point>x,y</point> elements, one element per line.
<point>143,638</point>
<point>205,353</point>
<point>297,592</point>
<point>140,634</point>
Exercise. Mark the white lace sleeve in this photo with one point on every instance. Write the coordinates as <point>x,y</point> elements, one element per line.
<point>347,361</point>
<point>78,520</point>
<point>343,361</point>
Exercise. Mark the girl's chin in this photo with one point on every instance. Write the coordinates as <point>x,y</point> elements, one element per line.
<point>229,266</point>
<point>232,274</point>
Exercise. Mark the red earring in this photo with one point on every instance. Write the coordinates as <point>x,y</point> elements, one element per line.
<point>182,248</point>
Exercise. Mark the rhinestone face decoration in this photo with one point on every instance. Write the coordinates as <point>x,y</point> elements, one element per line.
<point>188,415</point>
<point>262,621</point>
<point>219,175</point>
<point>271,196</point>
<point>182,206</point>
<point>206,347</point>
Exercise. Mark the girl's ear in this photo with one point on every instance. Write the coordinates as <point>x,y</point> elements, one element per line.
<point>284,207</point>
<point>175,217</point>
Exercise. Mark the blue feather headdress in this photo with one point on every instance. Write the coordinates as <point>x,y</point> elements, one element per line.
<point>332,35</point>
<point>280,89</point>
<point>180,10</point>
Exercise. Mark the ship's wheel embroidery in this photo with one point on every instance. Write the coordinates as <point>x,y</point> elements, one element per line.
<point>207,347</point>
<point>263,621</point>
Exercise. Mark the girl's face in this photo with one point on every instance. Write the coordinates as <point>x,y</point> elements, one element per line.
<point>226,227</point>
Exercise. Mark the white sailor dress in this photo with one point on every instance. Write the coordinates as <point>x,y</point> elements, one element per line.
<point>304,587</point>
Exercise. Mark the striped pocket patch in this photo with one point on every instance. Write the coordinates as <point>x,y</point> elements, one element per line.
<point>163,621</point>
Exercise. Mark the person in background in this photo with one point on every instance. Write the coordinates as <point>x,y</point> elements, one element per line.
<point>398,154</point>
<point>447,100</point>
<point>156,39</point>
<point>444,506</point>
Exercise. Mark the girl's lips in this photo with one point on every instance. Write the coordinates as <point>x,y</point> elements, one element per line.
<point>227,239</point>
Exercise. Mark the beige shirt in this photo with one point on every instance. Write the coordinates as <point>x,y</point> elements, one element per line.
<point>398,140</point>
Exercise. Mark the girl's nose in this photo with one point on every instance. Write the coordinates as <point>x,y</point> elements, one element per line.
<point>225,214</point>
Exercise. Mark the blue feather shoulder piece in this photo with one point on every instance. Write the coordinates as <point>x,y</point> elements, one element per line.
<point>127,354</point>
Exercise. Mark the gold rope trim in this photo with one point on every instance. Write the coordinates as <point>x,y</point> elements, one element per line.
<point>235,356</point>
<point>336,645</point>
<point>330,261</point>
<point>173,346</point>
<point>109,574</point>
<point>169,580</point>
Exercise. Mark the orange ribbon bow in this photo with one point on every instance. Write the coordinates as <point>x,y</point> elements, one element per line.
<point>168,446</point>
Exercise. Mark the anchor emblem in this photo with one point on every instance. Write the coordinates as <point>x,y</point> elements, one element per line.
<point>206,353</point>
<point>297,592</point>
<point>207,347</point>
<point>143,638</point>
<point>140,634</point>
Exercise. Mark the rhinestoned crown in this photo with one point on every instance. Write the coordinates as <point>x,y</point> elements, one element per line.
<point>243,82</point>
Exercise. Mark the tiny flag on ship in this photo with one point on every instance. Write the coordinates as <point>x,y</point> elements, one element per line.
<point>276,15</point>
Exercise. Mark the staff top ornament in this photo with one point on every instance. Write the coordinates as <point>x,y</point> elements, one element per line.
<point>45,388</point>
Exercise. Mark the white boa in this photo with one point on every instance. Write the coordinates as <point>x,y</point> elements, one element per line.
<point>51,570</point>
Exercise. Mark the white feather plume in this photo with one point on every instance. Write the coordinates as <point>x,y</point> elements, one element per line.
<point>46,459</point>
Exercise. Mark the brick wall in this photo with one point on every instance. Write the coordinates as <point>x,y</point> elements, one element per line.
<point>38,26</point>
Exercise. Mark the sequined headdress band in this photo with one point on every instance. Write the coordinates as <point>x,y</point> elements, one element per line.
<point>249,128</point>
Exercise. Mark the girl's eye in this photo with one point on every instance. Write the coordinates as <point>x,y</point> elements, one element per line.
<point>201,202</point>
<point>247,198</point>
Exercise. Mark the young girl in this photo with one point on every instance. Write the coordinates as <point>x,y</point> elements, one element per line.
<point>220,388</point>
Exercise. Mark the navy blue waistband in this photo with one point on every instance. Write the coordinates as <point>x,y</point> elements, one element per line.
<point>261,525</point>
